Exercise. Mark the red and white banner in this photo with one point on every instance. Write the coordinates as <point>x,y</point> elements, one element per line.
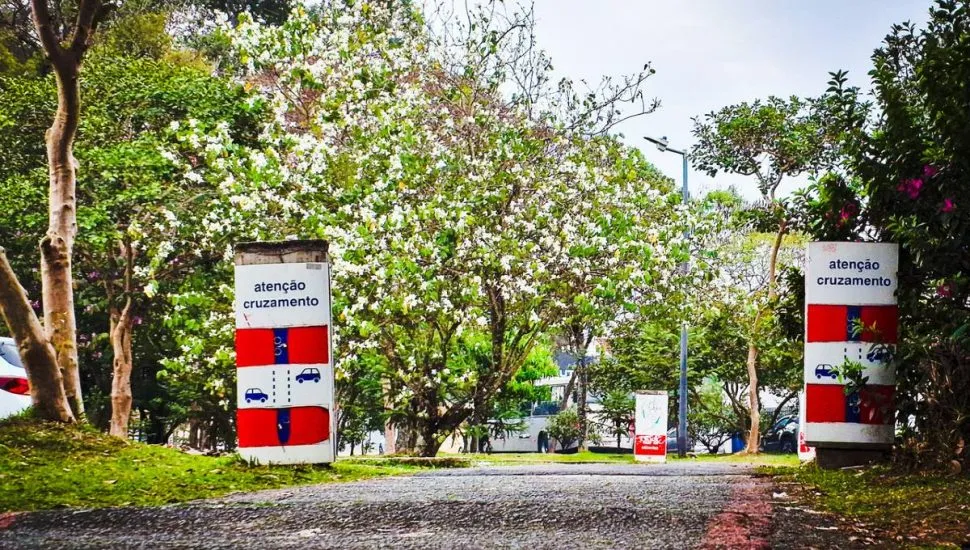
<point>650,427</point>
<point>805,453</point>
<point>284,367</point>
<point>850,316</point>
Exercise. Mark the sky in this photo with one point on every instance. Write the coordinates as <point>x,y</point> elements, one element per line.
<point>713,53</point>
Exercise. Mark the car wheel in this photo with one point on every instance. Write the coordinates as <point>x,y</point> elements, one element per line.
<point>248,400</point>
<point>788,446</point>
<point>263,400</point>
<point>300,380</point>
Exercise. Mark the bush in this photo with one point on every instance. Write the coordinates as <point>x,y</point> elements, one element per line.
<point>565,428</point>
<point>906,149</point>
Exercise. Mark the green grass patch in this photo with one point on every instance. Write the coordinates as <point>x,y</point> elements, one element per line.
<point>906,509</point>
<point>47,465</point>
<point>760,459</point>
<point>587,457</point>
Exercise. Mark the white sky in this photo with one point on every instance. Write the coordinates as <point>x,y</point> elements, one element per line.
<point>712,53</point>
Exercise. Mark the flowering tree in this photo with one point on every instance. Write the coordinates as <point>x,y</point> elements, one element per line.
<point>566,225</point>
<point>449,207</point>
<point>906,155</point>
<point>137,217</point>
<point>769,140</point>
<point>50,352</point>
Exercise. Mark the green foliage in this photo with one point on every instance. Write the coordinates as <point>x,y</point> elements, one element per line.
<point>134,90</point>
<point>469,228</point>
<point>360,393</point>
<point>565,428</point>
<point>830,208</point>
<point>769,139</point>
<point>138,35</point>
<point>643,356</point>
<point>617,413</point>
<point>906,150</point>
<point>711,420</point>
<point>521,389</point>
<point>269,11</point>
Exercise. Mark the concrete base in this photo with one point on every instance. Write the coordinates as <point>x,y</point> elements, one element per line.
<point>833,459</point>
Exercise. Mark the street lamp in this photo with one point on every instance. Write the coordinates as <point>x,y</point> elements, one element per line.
<point>662,144</point>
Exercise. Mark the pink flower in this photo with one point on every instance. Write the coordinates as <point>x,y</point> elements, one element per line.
<point>847,213</point>
<point>911,187</point>
<point>944,290</point>
<point>948,206</point>
<point>929,171</point>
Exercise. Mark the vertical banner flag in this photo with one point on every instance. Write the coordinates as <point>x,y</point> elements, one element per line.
<point>850,319</point>
<point>284,367</point>
<point>650,427</point>
<point>805,453</point>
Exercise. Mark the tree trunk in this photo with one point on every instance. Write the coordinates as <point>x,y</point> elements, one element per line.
<point>479,419</point>
<point>429,440</point>
<point>46,384</point>
<point>390,438</point>
<point>390,433</point>
<point>194,433</point>
<point>121,398</point>
<point>338,437</point>
<point>58,245</point>
<point>753,401</point>
<point>581,405</point>
<point>568,390</point>
<point>754,414</point>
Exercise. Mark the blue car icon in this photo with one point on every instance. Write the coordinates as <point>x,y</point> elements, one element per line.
<point>308,375</point>
<point>880,354</point>
<point>825,370</point>
<point>256,394</point>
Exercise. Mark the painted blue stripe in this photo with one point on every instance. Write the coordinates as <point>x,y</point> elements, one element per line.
<point>283,425</point>
<point>853,318</point>
<point>281,353</point>
<point>852,408</point>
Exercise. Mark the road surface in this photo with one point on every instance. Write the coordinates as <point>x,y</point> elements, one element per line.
<point>678,505</point>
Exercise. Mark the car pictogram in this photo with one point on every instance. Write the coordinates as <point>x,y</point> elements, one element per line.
<point>309,374</point>
<point>256,394</point>
<point>826,370</point>
<point>881,354</point>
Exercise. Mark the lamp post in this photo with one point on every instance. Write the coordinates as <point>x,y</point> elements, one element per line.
<point>682,393</point>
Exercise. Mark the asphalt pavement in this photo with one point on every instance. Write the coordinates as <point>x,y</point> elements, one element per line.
<point>678,505</point>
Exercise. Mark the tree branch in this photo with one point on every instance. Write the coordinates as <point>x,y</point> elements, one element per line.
<point>45,29</point>
<point>87,21</point>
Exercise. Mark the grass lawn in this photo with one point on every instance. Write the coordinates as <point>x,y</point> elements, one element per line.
<point>903,509</point>
<point>539,458</point>
<point>44,465</point>
<point>762,459</point>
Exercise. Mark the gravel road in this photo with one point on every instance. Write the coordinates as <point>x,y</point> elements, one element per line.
<point>678,505</point>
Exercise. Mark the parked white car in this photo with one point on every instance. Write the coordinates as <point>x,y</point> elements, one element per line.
<point>14,388</point>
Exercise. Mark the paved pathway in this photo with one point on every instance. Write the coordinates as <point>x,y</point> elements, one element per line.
<point>678,505</point>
